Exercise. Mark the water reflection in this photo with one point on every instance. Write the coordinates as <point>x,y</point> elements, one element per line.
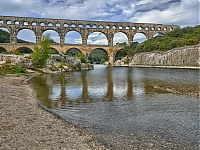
<point>105,84</point>
<point>128,108</point>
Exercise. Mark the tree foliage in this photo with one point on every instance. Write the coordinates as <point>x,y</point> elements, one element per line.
<point>42,52</point>
<point>82,57</point>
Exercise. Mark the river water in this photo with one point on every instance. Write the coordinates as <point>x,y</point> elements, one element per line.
<point>128,108</point>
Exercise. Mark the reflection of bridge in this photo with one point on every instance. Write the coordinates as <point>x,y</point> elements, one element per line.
<point>83,27</point>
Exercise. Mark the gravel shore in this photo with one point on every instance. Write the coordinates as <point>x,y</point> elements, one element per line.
<point>24,125</point>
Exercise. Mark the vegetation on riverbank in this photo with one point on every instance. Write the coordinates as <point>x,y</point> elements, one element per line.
<point>174,39</point>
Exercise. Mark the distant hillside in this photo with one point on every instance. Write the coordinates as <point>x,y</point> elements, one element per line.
<point>174,39</point>
<point>5,37</point>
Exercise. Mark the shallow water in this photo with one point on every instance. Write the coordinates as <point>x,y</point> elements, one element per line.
<point>128,108</point>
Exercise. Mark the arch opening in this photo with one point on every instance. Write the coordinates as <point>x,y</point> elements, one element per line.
<point>53,35</point>
<point>158,34</point>
<point>97,38</point>
<point>3,50</point>
<point>34,23</point>
<point>119,38</point>
<point>65,25</point>
<point>53,50</point>
<point>98,56</point>
<point>73,37</point>
<point>139,37</point>
<point>73,51</point>
<point>6,35</point>
<point>26,36</point>
<point>16,22</point>
<point>23,50</point>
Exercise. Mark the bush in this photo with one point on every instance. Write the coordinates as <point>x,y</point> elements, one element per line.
<point>82,57</point>
<point>42,52</point>
<point>19,69</point>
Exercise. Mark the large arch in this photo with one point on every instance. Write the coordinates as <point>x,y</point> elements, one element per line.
<point>53,50</point>
<point>97,38</point>
<point>73,37</point>
<point>73,51</point>
<point>98,56</point>
<point>2,50</point>
<point>139,37</point>
<point>120,37</point>
<point>23,50</point>
<point>53,35</point>
<point>25,36</point>
<point>5,38</point>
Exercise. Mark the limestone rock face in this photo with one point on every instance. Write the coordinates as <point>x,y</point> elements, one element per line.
<point>188,56</point>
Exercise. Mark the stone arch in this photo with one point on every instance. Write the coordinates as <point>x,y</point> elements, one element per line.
<point>98,57</point>
<point>53,34</point>
<point>16,22</point>
<point>97,38</point>
<point>23,50</point>
<point>73,37</point>
<point>27,35</point>
<point>158,34</point>
<point>53,50</point>
<point>73,51</point>
<point>7,34</point>
<point>139,37</point>
<point>120,37</point>
<point>3,50</point>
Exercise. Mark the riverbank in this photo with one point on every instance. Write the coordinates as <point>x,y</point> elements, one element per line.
<point>24,125</point>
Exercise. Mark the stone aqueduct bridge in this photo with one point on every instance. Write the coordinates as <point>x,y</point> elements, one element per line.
<point>84,27</point>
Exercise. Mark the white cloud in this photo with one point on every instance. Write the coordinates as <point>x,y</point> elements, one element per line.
<point>183,14</point>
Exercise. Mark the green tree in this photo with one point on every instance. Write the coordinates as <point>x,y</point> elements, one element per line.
<point>82,57</point>
<point>42,52</point>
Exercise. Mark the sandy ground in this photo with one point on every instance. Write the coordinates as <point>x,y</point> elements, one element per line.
<point>24,125</point>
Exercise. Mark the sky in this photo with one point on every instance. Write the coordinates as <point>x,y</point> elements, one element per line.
<point>170,12</point>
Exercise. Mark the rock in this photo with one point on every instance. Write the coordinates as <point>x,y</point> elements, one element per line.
<point>2,62</point>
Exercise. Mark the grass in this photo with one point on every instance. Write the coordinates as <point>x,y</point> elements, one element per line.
<point>11,69</point>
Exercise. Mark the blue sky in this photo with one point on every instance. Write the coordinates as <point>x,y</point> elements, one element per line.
<point>172,12</point>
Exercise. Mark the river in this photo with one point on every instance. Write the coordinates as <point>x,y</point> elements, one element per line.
<point>127,108</point>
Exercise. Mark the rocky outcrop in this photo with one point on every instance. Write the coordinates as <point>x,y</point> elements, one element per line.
<point>184,57</point>
<point>55,63</point>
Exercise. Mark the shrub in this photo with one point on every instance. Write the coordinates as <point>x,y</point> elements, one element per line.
<point>42,52</point>
<point>19,69</point>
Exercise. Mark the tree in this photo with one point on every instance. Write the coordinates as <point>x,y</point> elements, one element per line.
<point>42,52</point>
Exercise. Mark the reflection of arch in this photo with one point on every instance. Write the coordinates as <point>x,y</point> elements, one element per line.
<point>24,50</point>
<point>53,34</point>
<point>98,55</point>
<point>120,37</point>
<point>73,37</point>
<point>2,50</point>
<point>73,51</point>
<point>23,33</point>
<point>97,38</point>
<point>53,50</point>
<point>120,54</point>
<point>139,37</point>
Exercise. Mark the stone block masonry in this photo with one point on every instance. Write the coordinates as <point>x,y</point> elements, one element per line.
<point>184,57</point>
